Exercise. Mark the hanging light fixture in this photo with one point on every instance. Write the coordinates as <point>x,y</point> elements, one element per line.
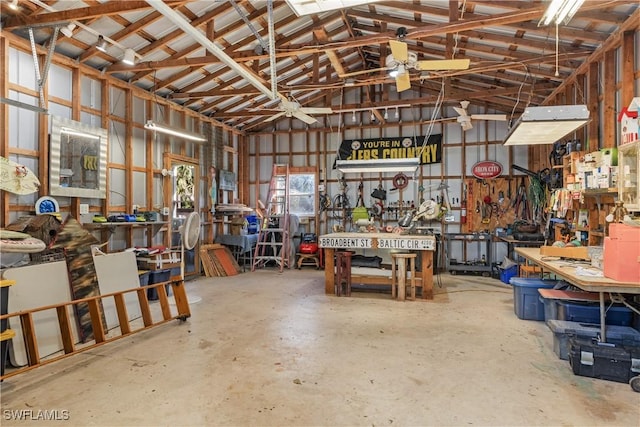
<point>129,57</point>
<point>397,113</point>
<point>560,12</point>
<point>168,130</point>
<point>14,4</point>
<point>408,165</point>
<point>546,125</point>
<point>372,116</point>
<point>353,117</point>
<point>102,45</point>
<point>386,114</point>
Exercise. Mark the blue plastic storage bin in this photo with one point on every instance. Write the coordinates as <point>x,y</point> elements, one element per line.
<point>143,277</point>
<point>564,330</point>
<point>507,273</point>
<point>252,224</point>
<point>526,299</point>
<point>590,313</point>
<point>158,276</point>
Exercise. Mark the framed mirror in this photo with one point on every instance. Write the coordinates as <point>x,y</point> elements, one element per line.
<point>77,159</point>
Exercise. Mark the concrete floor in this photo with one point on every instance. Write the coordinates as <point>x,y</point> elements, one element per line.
<point>271,349</point>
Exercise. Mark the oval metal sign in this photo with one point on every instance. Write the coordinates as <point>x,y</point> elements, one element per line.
<point>486,169</point>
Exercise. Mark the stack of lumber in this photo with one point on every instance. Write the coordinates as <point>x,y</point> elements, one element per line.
<point>218,261</point>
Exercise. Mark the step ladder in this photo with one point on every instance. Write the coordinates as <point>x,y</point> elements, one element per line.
<point>273,237</point>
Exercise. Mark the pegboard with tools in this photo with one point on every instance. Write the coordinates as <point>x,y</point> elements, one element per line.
<point>496,203</point>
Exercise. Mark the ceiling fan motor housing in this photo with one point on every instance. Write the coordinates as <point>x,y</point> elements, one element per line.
<point>392,62</point>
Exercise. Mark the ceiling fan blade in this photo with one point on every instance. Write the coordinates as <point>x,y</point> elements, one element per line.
<point>357,73</point>
<point>275,116</point>
<point>443,64</point>
<point>461,111</point>
<point>313,110</point>
<point>500,117</point>
<point>399,50</point>
<point>304,117</point>
<point>403,82</point>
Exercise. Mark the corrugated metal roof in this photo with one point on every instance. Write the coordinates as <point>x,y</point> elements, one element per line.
<point>317,56</point>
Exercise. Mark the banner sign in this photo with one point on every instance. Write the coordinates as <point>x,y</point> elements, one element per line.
<point>392,148</point>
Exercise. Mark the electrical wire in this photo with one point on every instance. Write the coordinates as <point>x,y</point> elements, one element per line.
<point>436,111</point>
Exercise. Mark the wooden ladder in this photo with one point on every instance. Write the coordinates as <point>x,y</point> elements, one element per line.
<point>95,311</point>
<point>273,236</point>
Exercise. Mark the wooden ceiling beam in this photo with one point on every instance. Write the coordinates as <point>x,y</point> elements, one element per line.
<point>79,14</point>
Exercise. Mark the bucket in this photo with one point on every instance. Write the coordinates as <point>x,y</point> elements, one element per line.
<point>252,224</point>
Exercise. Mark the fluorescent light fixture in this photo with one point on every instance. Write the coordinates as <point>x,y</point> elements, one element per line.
<point>168,130</point>
<point>67,30</point>
<point>308,7</point>
<point>560,12</point>
<point>546,125</point>
<point>102,45</point>
<point>78,133</point>
<point>378,166</point>
<point>129,57</point>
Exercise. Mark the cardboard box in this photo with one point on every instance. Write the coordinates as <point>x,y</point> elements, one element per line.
<point>574,252</point>
<point>622,253</point>
<point>609,157</point>
<point>237,226</point>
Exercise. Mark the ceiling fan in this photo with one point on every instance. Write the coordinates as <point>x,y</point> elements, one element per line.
<point>465,119</point>
<point>293,108</point>
<point>401,60</point>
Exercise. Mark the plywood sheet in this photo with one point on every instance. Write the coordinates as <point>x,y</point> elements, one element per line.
<point>38,286</point>
<point>117,272</point>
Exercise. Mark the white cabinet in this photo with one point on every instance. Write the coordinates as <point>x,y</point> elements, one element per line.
<point>628,168</point>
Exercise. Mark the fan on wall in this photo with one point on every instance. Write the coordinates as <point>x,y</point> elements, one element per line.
<point>293,108</point>
<point>465,119</point>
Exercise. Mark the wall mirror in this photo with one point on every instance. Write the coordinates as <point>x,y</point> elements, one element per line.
<point>185,195</point>
<point>77,159</point>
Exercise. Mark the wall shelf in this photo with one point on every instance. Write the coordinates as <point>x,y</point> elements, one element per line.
<point>155,226</point>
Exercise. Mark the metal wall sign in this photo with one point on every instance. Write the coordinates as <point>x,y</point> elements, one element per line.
<point>486,169</point>
<point>393,148</point>
<point>406,244</point>
<point>352,241</point>
<point>345,242</point>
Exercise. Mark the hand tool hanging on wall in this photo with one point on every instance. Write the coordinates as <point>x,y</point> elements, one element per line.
<point>463,205</point>
<point>360,201</point>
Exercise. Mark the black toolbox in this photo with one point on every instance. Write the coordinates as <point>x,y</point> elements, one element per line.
<point>590,358</point>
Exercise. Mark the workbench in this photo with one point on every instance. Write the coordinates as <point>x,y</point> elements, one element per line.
<point>513,243</point>
<point>567,271</point>
<point>423,244</point>
<point>485,267</point>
